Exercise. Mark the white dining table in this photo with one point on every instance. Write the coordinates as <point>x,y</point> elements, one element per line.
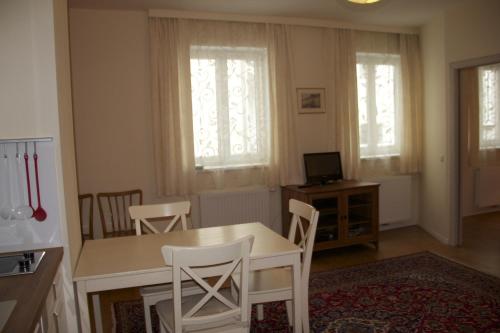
<point>134,261</point>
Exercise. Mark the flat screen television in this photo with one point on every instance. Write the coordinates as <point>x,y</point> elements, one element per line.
<point>323,168</point>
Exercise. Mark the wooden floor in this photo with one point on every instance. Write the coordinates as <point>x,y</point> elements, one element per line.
<point>480,250</point>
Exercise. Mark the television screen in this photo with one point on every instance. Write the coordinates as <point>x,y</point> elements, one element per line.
<point>322,168</point>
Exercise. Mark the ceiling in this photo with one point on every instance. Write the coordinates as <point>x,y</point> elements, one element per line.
<point>394,13</point>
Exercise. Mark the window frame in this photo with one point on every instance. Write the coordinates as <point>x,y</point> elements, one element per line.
<point>495,142</point>
<point>370,60</point>
<point>222,55</point>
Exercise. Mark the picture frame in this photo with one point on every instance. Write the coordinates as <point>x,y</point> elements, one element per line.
<point>311,100</point>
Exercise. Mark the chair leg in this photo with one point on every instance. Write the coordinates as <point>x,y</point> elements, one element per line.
<point>260,312</point>
<point>147,317</point>
<point>305,314</point>
<point>289,312</point>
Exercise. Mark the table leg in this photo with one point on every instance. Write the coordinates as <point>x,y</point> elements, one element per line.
<point>83,306</point>
<point>297,301</point>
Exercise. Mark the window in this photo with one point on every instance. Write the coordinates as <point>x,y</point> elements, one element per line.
<point>489,106</point>
<point>379,104</point>
<point>230,103</point>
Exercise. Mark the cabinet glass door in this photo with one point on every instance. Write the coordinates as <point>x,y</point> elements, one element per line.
<point>328,221</point>
<point>359,215</point>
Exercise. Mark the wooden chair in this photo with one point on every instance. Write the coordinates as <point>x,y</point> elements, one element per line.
<point>113,210</point>
<point>216,311</point>
<point>176,212</point>
<point>275,284</point>
<point>86,206</point>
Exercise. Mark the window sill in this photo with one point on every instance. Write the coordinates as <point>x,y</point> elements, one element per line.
<point>380,157</point>
<point>208,169</point>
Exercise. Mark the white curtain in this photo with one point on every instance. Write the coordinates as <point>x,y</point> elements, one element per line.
<point>341,60</point>
<point>207,154</point>
<point>489,114</point>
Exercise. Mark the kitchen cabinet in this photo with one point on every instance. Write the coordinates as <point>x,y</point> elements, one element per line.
<point>53,313</point>
<point>348,212</point>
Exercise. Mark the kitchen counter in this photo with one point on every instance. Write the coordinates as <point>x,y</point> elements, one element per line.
<point>30,292</point>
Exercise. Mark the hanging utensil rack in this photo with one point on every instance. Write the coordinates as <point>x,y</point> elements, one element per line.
<point>22,140</point>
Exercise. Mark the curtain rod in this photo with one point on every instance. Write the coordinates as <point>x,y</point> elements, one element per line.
<point>300,21</point>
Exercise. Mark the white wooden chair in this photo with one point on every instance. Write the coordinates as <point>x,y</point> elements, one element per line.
<point>216,311</point>
<point>177,211</point>
<point>275,284</point>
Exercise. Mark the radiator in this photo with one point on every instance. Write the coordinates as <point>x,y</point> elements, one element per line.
<point>231,207</point>
<point>487,187</point>
<point>395,199</point>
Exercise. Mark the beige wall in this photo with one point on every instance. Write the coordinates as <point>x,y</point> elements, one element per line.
<point>466,32</point>
<point>435,196</point>
<point>113,121</point>
<point>314,131</point>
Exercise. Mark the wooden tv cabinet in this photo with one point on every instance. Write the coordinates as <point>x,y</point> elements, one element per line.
<point>348,212</point>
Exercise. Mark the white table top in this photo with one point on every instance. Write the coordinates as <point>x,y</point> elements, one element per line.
<point>122,255</point>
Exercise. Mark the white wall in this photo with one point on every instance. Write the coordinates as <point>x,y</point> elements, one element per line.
<point>468,31</point>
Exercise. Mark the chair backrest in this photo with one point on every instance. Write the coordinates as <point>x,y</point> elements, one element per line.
<point>113,210</point>
<point>304,219</point>
<point>222,260</point>
<point>86,206</point>
<point>175,210</point>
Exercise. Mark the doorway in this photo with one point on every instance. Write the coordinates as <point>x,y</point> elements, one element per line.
<point>477,101</point>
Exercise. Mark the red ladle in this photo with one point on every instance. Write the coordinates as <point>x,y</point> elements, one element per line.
<point>39,214</point>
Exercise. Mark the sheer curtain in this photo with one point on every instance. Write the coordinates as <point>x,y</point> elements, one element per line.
<point>480,99</point>
<point>341,60</point>
<point>223,121</point>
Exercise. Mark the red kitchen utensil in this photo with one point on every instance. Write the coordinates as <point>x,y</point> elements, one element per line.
<point>28,179</point>
<point>39,214</point>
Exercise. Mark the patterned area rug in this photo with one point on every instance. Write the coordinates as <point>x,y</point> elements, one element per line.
<point>416,293</point>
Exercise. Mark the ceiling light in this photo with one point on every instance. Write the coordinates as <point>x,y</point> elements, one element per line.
<point>363,2</point>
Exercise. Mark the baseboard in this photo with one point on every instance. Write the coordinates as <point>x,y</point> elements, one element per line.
<point>437,235</point>
<point>395,225</point>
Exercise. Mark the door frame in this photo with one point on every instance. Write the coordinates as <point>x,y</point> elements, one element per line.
<point>456,184</point>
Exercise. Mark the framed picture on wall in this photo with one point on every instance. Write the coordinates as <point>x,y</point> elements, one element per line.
<point>311,100</point>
